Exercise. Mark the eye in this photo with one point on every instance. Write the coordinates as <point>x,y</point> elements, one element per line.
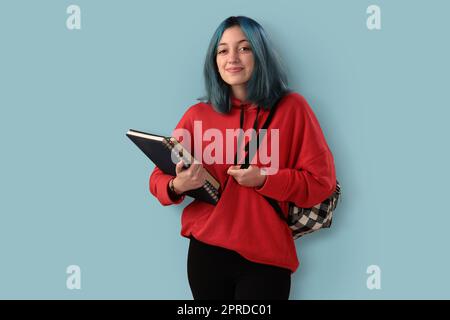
<point>221,51</point>
<point>246,49</point>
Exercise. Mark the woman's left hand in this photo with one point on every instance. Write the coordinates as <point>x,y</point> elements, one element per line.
<point>250,177</point>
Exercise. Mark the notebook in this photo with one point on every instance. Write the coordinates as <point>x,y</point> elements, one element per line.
<point>159,150</point>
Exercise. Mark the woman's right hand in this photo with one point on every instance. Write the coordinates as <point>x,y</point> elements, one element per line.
<point>188,179</point>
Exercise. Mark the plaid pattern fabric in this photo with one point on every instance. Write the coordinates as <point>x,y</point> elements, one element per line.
<point>302,221</point>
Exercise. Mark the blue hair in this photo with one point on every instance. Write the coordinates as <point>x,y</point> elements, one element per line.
<point>268,81</point>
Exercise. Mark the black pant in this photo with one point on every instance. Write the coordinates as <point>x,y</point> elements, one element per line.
<point>216,273</point>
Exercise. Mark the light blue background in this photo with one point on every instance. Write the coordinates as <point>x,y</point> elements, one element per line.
<point>74,189</point>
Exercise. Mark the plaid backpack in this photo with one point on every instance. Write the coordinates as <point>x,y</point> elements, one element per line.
<point>301,221</point>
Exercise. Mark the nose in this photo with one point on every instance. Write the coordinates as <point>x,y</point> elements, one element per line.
<point>233,57</point>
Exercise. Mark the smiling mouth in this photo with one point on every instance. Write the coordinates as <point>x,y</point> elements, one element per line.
<point>235,70</point>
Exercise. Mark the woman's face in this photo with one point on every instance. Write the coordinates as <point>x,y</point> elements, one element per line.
<point>234,57</point>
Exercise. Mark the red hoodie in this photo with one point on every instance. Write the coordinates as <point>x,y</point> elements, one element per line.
<point>243,220</point>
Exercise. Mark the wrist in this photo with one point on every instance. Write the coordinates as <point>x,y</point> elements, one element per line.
<point>262,181</point>
<point>175,187</point>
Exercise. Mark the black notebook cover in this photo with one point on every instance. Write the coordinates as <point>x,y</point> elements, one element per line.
<point>157,149</point>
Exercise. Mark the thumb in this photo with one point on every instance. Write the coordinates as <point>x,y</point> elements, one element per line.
<point>232,170</point>
<point>179,167</point>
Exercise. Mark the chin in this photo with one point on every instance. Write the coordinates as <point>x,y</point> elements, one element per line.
<point>235,82</point>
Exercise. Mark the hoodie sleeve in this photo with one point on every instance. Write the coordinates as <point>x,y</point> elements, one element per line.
<point>159,181</point>
<point>311,178</point>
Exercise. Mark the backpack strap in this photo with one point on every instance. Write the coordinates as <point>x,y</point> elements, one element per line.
<point>266,124</point>
<point>246,164</point>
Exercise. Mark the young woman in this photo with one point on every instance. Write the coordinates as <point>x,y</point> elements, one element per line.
<point>240,248</point>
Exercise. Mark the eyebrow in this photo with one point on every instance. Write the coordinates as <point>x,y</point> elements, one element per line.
<point>222,43</point>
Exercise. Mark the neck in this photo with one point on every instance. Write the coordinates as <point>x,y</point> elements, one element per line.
<point>240,92</point>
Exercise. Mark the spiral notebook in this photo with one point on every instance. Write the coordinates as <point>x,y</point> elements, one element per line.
<point>159,150</point>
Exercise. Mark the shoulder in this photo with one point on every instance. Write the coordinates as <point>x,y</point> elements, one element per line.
<point>198,110</point>
<point>295,104</point>
<point>193,112</point>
